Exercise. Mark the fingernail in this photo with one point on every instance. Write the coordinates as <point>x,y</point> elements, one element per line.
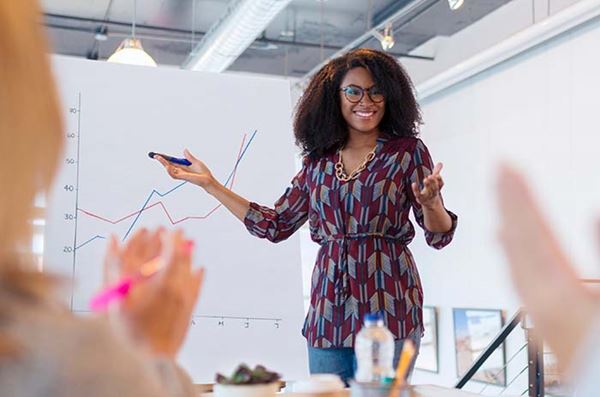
<point>189,246</point>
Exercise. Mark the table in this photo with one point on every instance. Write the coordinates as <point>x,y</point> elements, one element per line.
<point>415,391</point>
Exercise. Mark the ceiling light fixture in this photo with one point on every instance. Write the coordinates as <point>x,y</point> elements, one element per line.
<point>387,38</point>
<point>455,4</point>
<point>101,33</point>
<point>229,37</point>
<point>130,51</point>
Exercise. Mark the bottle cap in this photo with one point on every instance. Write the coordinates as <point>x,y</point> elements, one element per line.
<point>373,318</point>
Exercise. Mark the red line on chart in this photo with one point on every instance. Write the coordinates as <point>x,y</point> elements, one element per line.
<point>166,211</point>
<point>158,203</point>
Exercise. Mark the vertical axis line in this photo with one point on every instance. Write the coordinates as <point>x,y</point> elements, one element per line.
<point>76,199</point>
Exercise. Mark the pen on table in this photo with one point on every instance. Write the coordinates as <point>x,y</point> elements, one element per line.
<point>119,290</point>
<point>406,357</point>
<point>171,159</point>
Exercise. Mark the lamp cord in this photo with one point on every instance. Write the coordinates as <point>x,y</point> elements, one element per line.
<point>193,26</point>
<point>322,28</point>
<point>134,18</point>
<point>369,15</point>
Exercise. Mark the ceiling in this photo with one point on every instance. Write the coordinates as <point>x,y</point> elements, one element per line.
<point>297,40</point>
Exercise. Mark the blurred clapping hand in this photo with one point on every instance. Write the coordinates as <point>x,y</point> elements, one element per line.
<point>158,309</point>
<point>562,309</point>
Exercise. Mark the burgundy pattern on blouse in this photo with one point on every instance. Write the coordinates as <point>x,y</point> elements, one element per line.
<point>362,226</point>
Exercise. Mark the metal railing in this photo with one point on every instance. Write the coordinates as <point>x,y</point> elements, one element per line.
<point>535,357</point>
<point>535,353</point>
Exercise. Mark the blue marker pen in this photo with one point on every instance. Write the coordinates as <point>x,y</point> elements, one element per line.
<point>170,159</point>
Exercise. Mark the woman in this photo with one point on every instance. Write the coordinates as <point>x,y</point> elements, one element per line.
<point>363,170</point>
<point>44,349</point>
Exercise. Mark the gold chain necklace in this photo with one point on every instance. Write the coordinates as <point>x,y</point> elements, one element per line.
<point>341,175</point>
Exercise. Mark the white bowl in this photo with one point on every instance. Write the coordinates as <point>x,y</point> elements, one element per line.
<point>260,390</point>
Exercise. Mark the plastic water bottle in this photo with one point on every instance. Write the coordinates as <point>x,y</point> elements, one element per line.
<point>374,349</point>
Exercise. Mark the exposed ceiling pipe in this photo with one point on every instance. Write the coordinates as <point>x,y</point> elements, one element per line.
<point>415,6</point>
<point>183,36</point>
<point>229,37</point>
<point>170,34</point>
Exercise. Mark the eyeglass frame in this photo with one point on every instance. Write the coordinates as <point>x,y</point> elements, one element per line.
<point>362,93</point>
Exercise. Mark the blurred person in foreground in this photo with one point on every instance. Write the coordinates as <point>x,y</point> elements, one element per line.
<point>565,313</point>
<point>44,349</point>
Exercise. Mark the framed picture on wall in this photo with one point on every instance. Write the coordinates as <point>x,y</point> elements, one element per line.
<point>553,382</point>
<point>474,329</point>
<point>427,360</point>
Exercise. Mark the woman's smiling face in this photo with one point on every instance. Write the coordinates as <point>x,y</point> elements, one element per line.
<point>364,115</point>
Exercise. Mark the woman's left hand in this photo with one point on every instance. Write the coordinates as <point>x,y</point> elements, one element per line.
<point>429,195</point>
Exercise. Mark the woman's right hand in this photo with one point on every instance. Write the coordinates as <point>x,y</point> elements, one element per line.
<point>197,173</point>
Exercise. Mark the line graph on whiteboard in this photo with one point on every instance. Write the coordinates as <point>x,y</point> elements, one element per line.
<point>84,219</point>
<point>229,182</point>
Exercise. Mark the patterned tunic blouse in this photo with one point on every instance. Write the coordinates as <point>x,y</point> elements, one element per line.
<point>362,226</point>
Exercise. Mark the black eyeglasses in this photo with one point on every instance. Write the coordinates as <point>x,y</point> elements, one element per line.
<point>355,94</point>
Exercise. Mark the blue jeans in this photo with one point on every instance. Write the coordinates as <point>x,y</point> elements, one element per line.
<point>342,361</point>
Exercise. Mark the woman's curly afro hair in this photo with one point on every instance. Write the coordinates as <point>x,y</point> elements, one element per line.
<point>319,126</point>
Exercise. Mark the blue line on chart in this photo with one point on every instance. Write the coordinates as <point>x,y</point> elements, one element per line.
<point>154,191</point>
<point>240,158</point>
<point>90,240</point>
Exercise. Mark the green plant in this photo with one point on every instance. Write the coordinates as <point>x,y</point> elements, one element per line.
<point>243,375</point>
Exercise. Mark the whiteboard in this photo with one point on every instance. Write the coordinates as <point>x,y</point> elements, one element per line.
<point>251,306</point>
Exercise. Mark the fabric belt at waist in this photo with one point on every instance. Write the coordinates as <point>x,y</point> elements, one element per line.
<point>357,236</point>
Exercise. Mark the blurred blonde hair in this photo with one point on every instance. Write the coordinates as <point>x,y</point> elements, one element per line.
<point>31,138</point>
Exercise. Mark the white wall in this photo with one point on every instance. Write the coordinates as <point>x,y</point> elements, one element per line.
<point>539,111</point>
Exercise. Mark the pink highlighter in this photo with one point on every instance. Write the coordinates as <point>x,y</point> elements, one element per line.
<point>118,291</point>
